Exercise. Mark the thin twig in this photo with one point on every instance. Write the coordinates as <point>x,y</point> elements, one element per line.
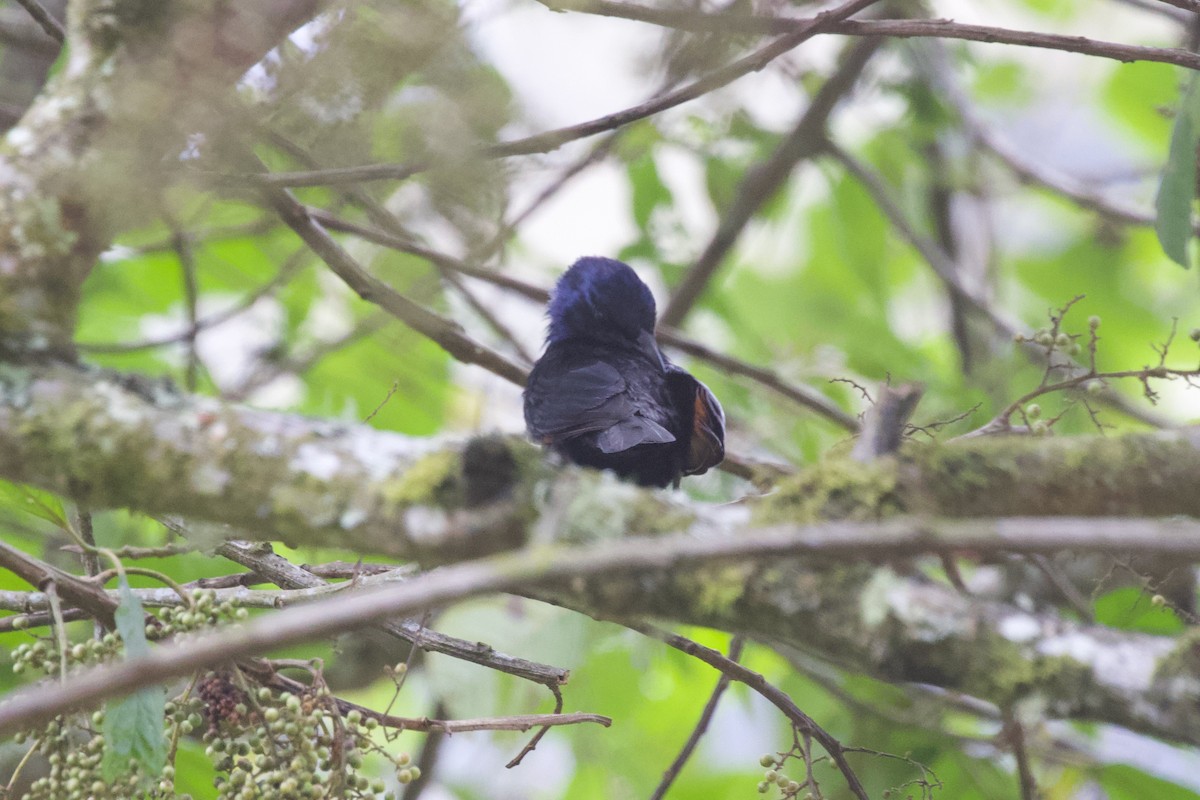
<point>801,31</point>
<point>773,694</point>
<point>532,744</point>
<point>290,267</point>
<point>946,271</point>
<point>934,63</point>
<point>447,334</point>
<point>895,28</point>
<point>710,708</point>
<point>1014,735</point>
<point>281,572</point>
<point>185,252</point>
<point>762,182</point>
<point>45,19</point>
<point>428,758</point>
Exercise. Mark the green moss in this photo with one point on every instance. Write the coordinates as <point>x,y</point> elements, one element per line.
<point>713,592</point>
<point>433,480</point>
<point>651,515</point>
<point>840,489</point>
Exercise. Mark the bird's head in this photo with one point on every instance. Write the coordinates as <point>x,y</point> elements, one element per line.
<point>601,298</point>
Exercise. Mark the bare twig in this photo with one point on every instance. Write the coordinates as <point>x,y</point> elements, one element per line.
<point>45,19</point>
<point>773,694</point>
<point>1014,736</point>
<point>278,570</point>
<point>442,331</point>
<point>75,591</point>
<point>290,267</point>
<point>427,759</point>
<point>935,64</point>
<point>710,708</point>
<point>896,28</point>
<point>532,744</point>
<point>945,270</point>
<point>762,182</point>
<point>185,252</point>
<point>800,32</point>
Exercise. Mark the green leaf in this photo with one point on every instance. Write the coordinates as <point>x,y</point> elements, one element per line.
<point>42,505</point>
<point>1133,96</point>
<point>1178,188</point>
<point>1131,609</point>
<point>133,725</point>
<point>649,191</point>
<point>1126,783</point>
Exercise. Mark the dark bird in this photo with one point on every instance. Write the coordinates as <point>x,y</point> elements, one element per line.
<point>603,395</point>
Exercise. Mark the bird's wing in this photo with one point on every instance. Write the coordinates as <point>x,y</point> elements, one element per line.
<point>594,398</point>
<point>631,432</point>
<point>584,399</point>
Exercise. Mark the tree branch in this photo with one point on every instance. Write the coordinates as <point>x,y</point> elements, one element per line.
<point>911,630</point>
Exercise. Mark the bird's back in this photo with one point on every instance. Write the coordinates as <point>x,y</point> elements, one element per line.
<point>609,407</point>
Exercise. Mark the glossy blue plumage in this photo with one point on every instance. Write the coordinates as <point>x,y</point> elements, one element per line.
<point>604,396</point>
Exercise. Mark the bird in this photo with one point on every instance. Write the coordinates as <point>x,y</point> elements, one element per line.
<point>604,396</point>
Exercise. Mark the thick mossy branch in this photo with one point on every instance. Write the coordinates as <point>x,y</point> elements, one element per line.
<point>110,442</point>
<point>901,628</point>
<point>1152,474</point>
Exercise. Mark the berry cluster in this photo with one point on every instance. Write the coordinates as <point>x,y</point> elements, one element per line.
<point>265,742</point>
<point>275,744</point>
<point>774,776</point>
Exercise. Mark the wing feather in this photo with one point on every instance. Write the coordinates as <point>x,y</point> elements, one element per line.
<point>632,432</point>
<point>588,398</point>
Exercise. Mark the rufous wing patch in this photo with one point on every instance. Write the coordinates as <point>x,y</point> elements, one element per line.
<point>708,433</point>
